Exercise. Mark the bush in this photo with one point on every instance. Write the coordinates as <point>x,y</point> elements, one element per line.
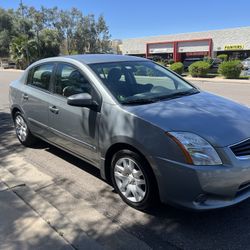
<point>177,67</point>
<point>230,69</point>
<point>208,59</point>
<point>199,69</point>
<point>223,57</point>
<point>171,61</point>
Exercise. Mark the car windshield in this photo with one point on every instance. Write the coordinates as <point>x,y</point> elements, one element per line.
<point>140,82</point>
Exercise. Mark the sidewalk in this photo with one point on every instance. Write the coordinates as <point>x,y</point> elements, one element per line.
<point>22,228</point>
<point>28,222</point>
<point>38,211</point>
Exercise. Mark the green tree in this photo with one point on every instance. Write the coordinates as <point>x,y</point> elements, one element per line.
<point>23,51</point>
<point>103,40</point>
<point>37,33</point>
<point>6,32</point>
<point>37,19</point>
<point>67,27</point>
<point>92,36</point>
<point>49,43</point>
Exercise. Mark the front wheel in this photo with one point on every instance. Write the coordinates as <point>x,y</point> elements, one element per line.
<point>22,131</point>
<point>133,179</point>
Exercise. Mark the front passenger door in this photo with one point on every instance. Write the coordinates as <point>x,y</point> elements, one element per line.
<point>73,128</point>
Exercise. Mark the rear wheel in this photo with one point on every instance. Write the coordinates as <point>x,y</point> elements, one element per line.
<point>22,131</point>
<point>133,179</point>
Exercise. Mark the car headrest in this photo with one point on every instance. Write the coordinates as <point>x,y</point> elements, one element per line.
<point>45,77</point>
<point>77,77</point>
<point>114,75</point>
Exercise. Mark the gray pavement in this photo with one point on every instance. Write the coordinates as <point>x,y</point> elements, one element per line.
<point>236,91</point>
<point>79,206</point>
<point>22,228</point>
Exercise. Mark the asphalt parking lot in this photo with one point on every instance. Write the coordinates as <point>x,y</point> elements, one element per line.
<point>72,186</point>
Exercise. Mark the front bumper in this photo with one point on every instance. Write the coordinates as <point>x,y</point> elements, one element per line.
<point>204,187</point>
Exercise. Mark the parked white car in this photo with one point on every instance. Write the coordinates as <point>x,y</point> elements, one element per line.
<point>246,64</point>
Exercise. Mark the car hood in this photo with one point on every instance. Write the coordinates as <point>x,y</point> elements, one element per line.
<point>218,120</point>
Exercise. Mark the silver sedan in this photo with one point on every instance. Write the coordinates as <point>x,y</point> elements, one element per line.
<point>152,134</point>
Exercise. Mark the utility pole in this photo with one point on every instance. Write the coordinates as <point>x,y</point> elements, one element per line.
<point>24,32</point>
<point>21,5</point>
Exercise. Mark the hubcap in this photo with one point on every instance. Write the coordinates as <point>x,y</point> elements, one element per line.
<point>21,128</point>
<point>130,179</point>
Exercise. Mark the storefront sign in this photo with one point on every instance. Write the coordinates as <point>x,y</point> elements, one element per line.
<point>234,47</point>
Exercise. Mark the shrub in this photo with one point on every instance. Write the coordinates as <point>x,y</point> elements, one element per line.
<point>223,57</point>
<point>208,59</point>
<point>171,61</point>
<point>230,69</point>
<point>177,67</point>
<point>199,69</point>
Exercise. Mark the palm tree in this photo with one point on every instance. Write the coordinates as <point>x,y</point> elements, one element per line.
<point>23,51</point>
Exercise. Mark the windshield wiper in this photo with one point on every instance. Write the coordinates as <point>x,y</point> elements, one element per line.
<point>156,99</point>
<point>138,101</point>
<point>178,94</point>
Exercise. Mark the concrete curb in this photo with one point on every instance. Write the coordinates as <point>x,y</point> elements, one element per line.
<point>11,70</point>
<point>217,80</point>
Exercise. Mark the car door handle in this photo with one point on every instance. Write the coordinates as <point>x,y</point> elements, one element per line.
<point>54,109</point>
<point>25,97</point>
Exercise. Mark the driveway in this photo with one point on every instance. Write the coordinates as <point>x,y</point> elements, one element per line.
<point>76,190</point>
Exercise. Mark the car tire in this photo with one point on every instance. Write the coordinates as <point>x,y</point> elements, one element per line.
<point>22,130</point>
<point>134,180</point>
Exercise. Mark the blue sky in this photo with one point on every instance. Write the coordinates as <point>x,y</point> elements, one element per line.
<point>131,18</point>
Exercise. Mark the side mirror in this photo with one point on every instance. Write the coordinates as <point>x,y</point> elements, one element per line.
<point>82,100</point>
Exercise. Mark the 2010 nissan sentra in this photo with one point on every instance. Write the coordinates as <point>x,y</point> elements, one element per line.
<point>149,131</point>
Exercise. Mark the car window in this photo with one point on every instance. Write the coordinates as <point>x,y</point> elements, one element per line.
<point>109,71</point>
<point>145,75</point>
<point>140,81</point>
<point>40,76</point>
<point>70,81</point>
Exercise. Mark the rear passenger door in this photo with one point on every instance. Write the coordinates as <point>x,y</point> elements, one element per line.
<point>35,96</point>
<point>73,128</point>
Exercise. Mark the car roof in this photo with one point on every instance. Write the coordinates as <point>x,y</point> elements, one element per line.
<point>103,58</point>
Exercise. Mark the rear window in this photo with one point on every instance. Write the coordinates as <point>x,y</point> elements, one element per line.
<point>40,76</point>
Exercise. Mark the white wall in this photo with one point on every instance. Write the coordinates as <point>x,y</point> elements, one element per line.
<point>220,39</point>
<point>160,48</point>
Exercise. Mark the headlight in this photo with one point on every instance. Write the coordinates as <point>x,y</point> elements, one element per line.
<point>196,150</point>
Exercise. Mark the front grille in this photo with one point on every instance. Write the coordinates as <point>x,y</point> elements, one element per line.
<point>242,149</point>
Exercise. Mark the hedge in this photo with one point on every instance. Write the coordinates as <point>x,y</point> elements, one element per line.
<point>199,69</point>
<point>223,57</point>
<point>177,67</point>
<point>230,69</point>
